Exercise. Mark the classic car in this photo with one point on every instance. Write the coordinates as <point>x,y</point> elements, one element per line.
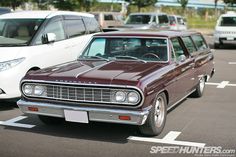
<point>122,77</point>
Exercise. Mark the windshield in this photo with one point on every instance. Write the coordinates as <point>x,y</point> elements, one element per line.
<point>228,21</point>
<point>145,49</point>
<point>16,32</point>
<point>138,19</point>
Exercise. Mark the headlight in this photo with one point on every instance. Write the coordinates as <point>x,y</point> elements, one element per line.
<point>28,89</point>
<point>120,96</point>
<point>39,90</point>
<point>9,64</point>
<point>34,90</point>
<point>133,97</point>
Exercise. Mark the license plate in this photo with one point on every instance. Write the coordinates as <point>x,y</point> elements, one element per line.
<point>76,116</point>
<point>230,38</point>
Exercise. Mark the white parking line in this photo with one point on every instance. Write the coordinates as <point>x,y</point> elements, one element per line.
<point>168,139</point>
<point>223,84</point>
<point>232,63</point>
<point>12,122</point>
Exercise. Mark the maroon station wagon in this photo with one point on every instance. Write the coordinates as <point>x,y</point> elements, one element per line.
<point>122,77</point>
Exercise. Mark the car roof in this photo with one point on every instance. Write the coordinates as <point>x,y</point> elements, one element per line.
<point>151,13</point>
<point>149,33</point>
<point>41,14</point>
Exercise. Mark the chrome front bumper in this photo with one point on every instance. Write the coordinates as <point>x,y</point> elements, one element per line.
<point>94,114</point>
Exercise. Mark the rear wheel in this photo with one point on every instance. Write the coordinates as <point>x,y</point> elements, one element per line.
<point>50,120</point>
<point>200,88</point>
<point>156,118</point>
<point>216,46</point>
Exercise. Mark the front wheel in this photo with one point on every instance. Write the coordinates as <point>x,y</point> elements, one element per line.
<point>157,117</point>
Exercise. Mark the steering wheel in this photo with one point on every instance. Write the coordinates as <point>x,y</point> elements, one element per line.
<point>151,54</point>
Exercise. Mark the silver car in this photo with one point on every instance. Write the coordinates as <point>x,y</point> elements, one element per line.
<point>158,21</point>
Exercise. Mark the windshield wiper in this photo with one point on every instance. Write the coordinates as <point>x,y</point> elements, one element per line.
<point>129,57</point>
<point>94,57</point>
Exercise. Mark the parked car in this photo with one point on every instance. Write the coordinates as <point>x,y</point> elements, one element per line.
<point>177,22</point>
<point>4,10</point>
<point>155,21</point>
<point>109,19</point>
<point>32,40</point>
<point>122,77</point>
<point>225,30</point>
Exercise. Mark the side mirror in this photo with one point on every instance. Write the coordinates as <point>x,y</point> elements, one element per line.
<point>48,38</point>
<point>182,58</point>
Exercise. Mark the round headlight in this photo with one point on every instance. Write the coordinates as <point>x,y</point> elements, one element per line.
<point>39,90</point>
<point>28,89</point>
<point>133,97</point>
<point>120,96</point>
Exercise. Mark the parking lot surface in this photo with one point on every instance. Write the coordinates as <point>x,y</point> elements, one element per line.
<point>203,122</point>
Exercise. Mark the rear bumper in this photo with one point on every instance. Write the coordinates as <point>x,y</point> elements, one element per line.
<point>94,114</point>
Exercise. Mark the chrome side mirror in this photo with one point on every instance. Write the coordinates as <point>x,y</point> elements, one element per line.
<point>182,58</point>
<point>48,38</point>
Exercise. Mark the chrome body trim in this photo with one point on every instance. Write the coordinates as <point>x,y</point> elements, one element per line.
<point>138,117</point>
<point>139,104</point>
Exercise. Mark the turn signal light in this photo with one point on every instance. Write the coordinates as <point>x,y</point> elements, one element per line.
<point>34,109</point>
<point>124,117</point>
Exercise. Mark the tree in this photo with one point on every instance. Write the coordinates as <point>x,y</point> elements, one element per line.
<point>183,4</point>
<point>65,4</point>
<point>231,2</point>
<point>12,3</point>
<point>142,3</point>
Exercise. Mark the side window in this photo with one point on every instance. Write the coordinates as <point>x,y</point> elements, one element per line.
<point>199,42</point>
<point>189,44</point>
<point>74,27</point>
<point>163,19</point>
<point>92,25</point>
<point>178,49</point>
<point>55,27</point>
<point>108,17</point>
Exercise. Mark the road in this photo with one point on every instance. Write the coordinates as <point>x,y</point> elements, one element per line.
<point>207,121</point>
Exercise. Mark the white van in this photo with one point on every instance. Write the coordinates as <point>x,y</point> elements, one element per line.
<point>225,30</point>
<point>31,40</point>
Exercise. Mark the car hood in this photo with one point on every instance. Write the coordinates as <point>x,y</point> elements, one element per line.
<point>97,72</point>
<point>9,53</point>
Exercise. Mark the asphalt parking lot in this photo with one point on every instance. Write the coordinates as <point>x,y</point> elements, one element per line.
<point>209,121</point>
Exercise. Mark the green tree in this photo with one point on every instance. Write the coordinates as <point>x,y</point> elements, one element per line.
<point>230,2</point>
<point>142,3</point>
<point>12,3</point>
<point>183,4</point>
<point>65,4</point>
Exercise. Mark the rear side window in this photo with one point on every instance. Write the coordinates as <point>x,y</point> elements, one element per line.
<point>108,17</point>
<point>163,19</point>
<point>189,44</point>
<point>199,42</point>
<point>91,25</point>
<point>74,27</point>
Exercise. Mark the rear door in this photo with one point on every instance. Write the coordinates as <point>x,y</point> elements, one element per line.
<point>184,71</point>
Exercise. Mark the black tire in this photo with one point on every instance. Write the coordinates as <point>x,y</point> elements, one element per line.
<point>199,89</point>
<point>51,120</point>
<point>216,46</point>
<point>155,124</point>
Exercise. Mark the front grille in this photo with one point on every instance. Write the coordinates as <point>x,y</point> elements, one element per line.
<point>81,94</point>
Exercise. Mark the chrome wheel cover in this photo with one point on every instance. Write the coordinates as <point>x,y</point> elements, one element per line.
<point>202,84</point>
<point>159,111</point>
